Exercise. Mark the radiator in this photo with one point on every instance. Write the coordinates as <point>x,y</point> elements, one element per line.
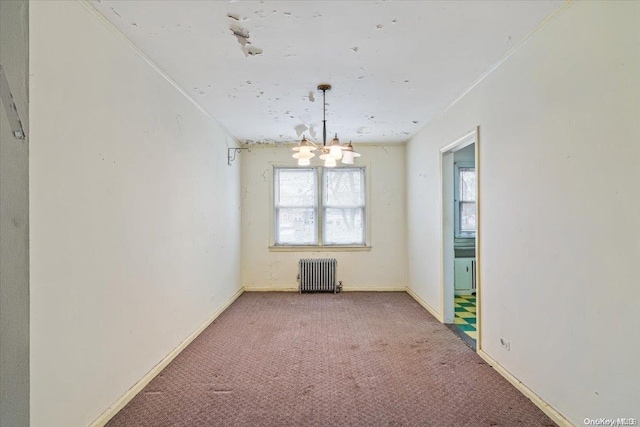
<point>317,275</point>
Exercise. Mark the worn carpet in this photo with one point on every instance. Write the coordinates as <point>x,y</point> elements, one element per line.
<point>351,359</point>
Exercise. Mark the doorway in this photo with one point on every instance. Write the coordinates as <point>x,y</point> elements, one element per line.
<point>460,237</point>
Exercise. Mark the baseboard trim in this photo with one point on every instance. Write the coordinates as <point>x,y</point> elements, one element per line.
<point>344,289</point>
<point>537,400</point>
<point>373,289</point>
<point>133,391</point>
<point>423,303</point>
<point>269,289</point>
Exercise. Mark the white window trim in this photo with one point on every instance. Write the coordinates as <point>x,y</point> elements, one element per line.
<point>317,207</point>
<point>456,197</point>
<point>324,207</point>
<point>321,247</point>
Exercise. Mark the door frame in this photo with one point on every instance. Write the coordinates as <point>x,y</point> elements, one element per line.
<point>447,255</point>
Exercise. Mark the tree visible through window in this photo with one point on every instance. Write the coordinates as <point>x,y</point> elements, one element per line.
<point>341,217</point>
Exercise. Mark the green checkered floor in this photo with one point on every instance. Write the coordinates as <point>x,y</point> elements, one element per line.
<point>465,319</point>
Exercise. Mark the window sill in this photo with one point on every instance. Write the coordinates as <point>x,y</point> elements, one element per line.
<point>320,248</point>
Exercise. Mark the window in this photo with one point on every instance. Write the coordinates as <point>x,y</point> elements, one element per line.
<point>319,207</point>
<point>343,206</point>
<point>465,200</point>
<point>296,204</point>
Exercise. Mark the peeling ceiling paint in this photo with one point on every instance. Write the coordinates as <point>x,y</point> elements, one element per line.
<point>255,65</point>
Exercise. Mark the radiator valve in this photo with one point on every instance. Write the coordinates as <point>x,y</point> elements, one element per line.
<point>340,286</point>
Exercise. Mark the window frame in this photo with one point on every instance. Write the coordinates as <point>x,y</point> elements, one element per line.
<point>324,206</point>
<point>276,208</point>
<point>457,202</point>
<point>320,226</point>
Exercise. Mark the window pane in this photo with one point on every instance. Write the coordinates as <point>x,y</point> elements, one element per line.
<point>296,226</point>
<point>296,187</point>
<point>344,187</point>
<point>344,226</point>
<point>467,217</point>
<point>467,184</point>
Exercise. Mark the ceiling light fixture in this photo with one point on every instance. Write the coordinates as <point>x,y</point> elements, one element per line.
<point>330,153</point>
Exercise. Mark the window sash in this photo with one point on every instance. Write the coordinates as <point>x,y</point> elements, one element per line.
<point>467,231</point>
<point>361,207</point>
<point>320,208</point>
<point>461,201</point>
<point>314,186</point>
<point>461,183</point>
<point>327,229</point>
<point>280,235</point>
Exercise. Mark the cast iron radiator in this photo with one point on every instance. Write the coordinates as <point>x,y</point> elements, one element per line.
<point>317,275</point>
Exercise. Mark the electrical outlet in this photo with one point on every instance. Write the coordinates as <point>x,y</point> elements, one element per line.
<point>506,344</point>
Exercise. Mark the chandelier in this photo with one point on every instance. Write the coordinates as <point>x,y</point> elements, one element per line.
<point>332,152</point>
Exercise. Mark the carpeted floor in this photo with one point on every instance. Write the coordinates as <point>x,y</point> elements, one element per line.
<point>351,359</point>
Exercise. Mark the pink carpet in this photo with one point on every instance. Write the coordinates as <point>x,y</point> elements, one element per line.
<point>351,359</point>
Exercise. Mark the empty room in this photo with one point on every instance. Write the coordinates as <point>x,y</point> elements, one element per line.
<point>319,213</point>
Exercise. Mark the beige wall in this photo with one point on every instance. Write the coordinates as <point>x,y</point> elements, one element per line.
<point>384,266</point>
<point>559,209</point>
<point>135,237</point>
<point>14,221</point>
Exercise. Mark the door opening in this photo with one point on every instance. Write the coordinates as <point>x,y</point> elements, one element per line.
<point>460,236</point>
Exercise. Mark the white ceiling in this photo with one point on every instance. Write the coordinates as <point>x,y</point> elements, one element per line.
<point>393,65</point>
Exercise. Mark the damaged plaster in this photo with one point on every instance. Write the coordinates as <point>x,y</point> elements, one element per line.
<point>272,84</point>
<point>242,36</point>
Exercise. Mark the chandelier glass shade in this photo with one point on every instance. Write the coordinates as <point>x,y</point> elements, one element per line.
<point>349,155</point>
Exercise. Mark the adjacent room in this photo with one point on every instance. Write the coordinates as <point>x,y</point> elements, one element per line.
<point>319,213</point>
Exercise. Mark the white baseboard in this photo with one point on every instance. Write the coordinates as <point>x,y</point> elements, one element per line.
<point>537,400</point>
<point>374,288</point>
<point>269,289</point>
<point>133,391</point>
<point>423,303</point>
<point>344,289</point>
